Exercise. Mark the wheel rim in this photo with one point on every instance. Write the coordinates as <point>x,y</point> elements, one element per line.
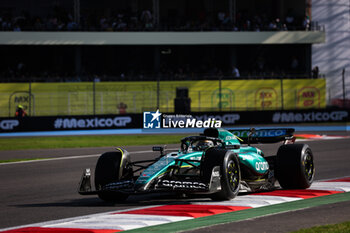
<point>233,175</point>
<point>309,166</point>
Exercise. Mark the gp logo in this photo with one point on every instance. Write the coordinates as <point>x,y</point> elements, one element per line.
<point>8,124</point>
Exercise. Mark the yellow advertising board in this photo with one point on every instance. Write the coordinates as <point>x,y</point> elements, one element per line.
<point>266,98</point>
<point>310,93</point>
<point>86,98</point>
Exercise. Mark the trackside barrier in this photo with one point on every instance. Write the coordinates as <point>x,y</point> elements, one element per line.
<point>129,121</point>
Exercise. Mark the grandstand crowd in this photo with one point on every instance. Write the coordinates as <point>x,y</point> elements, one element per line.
<point>21,73</point>
<point>125,20</point>
<point>19,65</point>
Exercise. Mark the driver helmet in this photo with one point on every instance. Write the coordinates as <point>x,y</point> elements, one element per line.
<point>202,145</point>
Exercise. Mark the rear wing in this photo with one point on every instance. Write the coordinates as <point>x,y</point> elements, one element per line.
<point>248,136</point>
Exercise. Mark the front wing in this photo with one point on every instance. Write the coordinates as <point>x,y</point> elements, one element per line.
<point>166,183</point>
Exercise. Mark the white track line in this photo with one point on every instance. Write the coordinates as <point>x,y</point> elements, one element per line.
<point>71,157</point>
<point>53,159</point>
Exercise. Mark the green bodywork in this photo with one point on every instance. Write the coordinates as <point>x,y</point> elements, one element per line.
<point>249,157</point>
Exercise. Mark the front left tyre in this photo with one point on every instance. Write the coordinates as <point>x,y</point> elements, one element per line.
<point>111,167</point>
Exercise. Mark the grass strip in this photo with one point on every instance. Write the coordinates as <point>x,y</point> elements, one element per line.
<point>332,228</point>
<point>244,214</point>
<point>26,143</point>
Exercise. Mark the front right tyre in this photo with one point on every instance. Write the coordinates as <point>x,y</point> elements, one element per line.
<point>230,175</point>
<point>230,178</point>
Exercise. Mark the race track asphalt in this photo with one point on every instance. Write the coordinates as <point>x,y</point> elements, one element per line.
<point>47,190</point>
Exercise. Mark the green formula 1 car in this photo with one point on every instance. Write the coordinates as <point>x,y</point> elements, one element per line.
<point>218,163</point>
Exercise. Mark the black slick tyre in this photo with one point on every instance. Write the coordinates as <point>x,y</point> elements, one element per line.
<point>230,175</point>
<point>108,170</point>
<point>295,166</point>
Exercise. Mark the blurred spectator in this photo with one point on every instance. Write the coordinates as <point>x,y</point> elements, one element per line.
<point>279,25</point>
<point>96,79</point>
<point>315,72</point>
<point>16,28</point>
<point>235,72</point>
<point>290,20</point>
<point>103,23</point>
<point>6,25</point>
<point>294,65</point>
<point>223,18</point>
<point>20,69</point>
<point>306,23</point>
<point>272,26</point>
<point>122,108</point>
<point>71,26</point>
<point>20,112</point>
<point>260,63</point>
<point>146,15</point>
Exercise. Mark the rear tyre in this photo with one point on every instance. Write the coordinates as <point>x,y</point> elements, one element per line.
<point>295,166</point>
<point>230,175</point>
<point>110,168</point>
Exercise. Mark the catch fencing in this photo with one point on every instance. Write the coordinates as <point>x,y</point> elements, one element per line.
<point>99,98</point>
